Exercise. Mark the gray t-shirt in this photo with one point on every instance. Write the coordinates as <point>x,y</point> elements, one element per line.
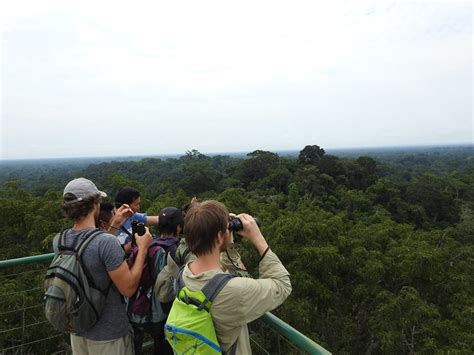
<point>103,254</point>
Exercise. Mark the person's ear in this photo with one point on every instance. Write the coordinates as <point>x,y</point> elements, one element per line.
<point>220,238</point>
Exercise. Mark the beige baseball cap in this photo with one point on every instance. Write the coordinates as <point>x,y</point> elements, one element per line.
<point>82,188</point>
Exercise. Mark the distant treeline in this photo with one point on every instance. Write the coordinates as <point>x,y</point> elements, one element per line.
<point>380,247</point>
<point>41,174</point>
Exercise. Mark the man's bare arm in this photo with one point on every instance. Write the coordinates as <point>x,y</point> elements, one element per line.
<point>126,280</point>
<point>152,220</point>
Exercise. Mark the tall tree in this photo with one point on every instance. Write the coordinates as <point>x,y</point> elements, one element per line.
<point>311,154</point>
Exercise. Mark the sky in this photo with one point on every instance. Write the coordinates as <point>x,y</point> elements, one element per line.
<point>111,78</point>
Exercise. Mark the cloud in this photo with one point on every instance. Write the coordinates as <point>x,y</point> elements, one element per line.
<point>345,73</point>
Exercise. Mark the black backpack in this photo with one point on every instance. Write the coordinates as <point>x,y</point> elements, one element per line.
<point>72,302</point>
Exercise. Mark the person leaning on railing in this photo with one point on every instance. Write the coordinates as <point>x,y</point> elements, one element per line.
<point>243,299</point>
<point>104,257</point>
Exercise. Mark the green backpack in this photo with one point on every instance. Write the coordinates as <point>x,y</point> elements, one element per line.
<point>189,328</point>
<point>72,302</point>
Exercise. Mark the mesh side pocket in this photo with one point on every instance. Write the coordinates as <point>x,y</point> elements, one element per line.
<point>55,308</point>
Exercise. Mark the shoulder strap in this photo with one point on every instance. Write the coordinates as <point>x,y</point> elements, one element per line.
<point>174,268</point>
<point>123,229</point>
<point>178,283</point>
<point>159,262</point>
<point>62,240</point>
<point>86,239</point>
<point>212,288</point>
<point>80,250</point>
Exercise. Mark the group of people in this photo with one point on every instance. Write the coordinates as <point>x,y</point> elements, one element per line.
<point>207,249</point>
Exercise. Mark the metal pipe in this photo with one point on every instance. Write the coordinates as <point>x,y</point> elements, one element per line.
<point>26,260</point>
<point>298,339</point>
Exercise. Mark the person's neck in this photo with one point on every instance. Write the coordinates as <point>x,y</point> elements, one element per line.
<point>206,262</point>
<point>87,222</point>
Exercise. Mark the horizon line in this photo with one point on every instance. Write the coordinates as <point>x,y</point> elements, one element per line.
<point>355,148</point>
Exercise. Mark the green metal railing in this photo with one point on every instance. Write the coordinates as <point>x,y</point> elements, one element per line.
<point>269,334</point>
<point>299,340</point>
<point>26,260</point>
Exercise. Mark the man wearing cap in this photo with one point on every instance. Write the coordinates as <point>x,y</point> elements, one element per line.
<point>130,197</point>
<point>104,257</point>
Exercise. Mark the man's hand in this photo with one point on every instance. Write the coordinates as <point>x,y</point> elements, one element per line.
<point>119,218</point>
<point>252,232</point>
<point>127,279</point>
<point>122,213</point>
<point>143,241</point>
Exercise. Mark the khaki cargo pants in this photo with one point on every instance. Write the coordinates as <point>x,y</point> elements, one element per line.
<point>120,346</point>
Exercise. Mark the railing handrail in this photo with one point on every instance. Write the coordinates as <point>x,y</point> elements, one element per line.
<point>297,338</point>
<point>26,260</point>
<point>284,329</point>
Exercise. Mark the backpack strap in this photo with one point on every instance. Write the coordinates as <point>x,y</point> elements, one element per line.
<point>61,241</point>
<point>174,268</point>
<point>212,288</point>
<point>123,229</point>
<point>79,249</point>
<point>152,262</point>
<point>178,283</point>
<point>159,263</point>
<point>77,245</point>
<point>85,240</point>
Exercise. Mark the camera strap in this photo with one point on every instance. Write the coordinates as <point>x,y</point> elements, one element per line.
<point>123,229</point>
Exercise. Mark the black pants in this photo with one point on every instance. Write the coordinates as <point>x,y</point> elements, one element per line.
<point>157,332</point>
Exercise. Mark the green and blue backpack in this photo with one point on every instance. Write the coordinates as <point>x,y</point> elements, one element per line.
<point>190,328</point>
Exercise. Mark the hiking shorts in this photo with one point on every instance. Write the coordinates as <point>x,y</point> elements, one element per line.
<point>120,346</point>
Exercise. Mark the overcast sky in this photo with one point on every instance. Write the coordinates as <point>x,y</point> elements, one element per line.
<point>137,78</point>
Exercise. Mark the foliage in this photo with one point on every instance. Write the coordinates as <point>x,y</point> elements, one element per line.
<point>379,247</point>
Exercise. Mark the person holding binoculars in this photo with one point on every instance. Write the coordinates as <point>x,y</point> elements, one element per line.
<point>208,228</point>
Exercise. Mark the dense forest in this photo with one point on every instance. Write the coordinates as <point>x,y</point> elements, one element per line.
<point>380,247</point>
